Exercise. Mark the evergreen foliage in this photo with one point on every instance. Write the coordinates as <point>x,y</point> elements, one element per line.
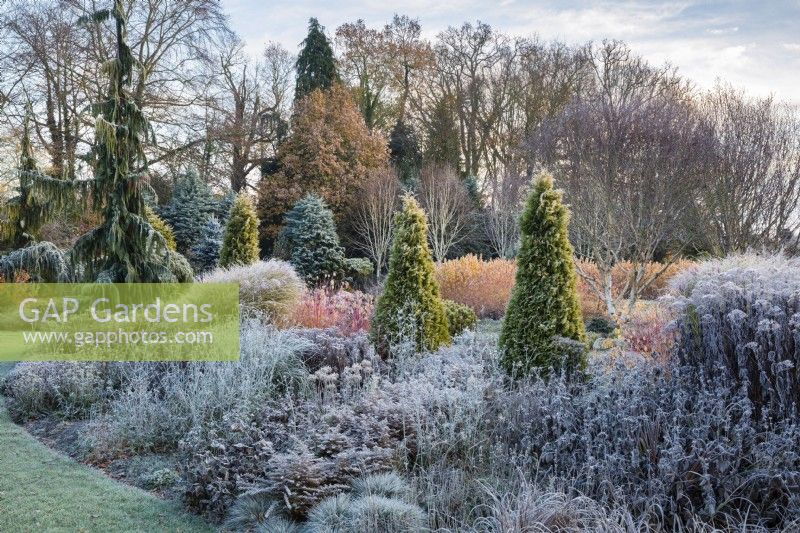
<point>316,67</point>
<point>405,154</point>
<point>544,308</point>
<point>459,317</point>
<point>124,247</point>
<point>161,227</point>
<point>330,153</point>
<point>310,241</point>
<point>204,254</point>
<point>188,210</point>
<point>43,261</point>
<point>223,205</point>
<point>410,306</point>
<point>240,242</point>
<point>444,146</point>
<point>25,213</point>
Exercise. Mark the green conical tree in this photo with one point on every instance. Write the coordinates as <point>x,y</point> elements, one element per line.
<point>410,306</point>
<point>443,144</point>
<point>240,243</point>
<point>310,241</point>
<point>188,210</point>
<point>405,154</point>
<point>25,213</point>
<point>544,307</point>
<point>316,67</point>
<point>125,247</point>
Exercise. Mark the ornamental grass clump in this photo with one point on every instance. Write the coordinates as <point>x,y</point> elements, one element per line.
<point>410,306</point>
<point>544,305</point>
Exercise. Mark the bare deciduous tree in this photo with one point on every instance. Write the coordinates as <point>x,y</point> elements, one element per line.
<point>446,201</point>
<point>750,195</point>
<point>372,222</point>
<point>630,151</point>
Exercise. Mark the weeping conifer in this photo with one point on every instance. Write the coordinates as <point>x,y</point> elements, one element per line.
<point>27,212</point>
<point>125,247</point>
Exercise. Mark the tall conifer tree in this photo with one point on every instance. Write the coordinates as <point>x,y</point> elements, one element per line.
<point>125,247</point>
<point>316,67</point>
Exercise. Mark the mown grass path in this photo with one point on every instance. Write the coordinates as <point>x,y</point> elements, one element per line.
<point>41,490</point>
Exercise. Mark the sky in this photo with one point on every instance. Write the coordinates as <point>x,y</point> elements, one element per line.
<point>752,44</point>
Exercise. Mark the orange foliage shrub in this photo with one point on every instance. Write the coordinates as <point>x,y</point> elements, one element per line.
<point>592,305</point>
<point>349,311</point>
<point>485,286</point>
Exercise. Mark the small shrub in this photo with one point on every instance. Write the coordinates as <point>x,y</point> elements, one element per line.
<point>240,241</point>
<point>334,349</point>
<point>331,514</point>
<point>601,325</point>
<point>544,304</point>
<point>485,286</point>
<point>410,306</point>
<point>250,512</point>
<point>310,243</point>
<point>357,270</point>
<point>348,311</point>
<point>459,317</point>
<point>647,331</point>
<point>271,287</point>
<point>68,390</point>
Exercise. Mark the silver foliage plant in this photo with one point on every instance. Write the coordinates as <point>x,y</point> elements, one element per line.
<point>739,321</point>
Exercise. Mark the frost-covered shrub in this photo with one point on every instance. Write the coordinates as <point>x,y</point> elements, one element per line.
<point>240,239</point>
<point>377,513</point>
<point>161,402</point>
<point>675,448</point>
<point>297,452</point>
<point>528,508</point>
<point>459,317</point>
<point>68,389</point>
<point>331,514</point>
<point>386,484</point>
<point>270,287</point>
<point>331,348</point>
<point>740,321</point>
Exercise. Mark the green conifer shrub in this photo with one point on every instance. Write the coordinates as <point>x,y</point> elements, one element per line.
<point>161,227</point>
<point>459,317</point>
<point>240,242</point>
<point>544,308</point>
<point>25,213</point>
<point>188,210</point>
<point>309,241</point>
<point>410,306</point>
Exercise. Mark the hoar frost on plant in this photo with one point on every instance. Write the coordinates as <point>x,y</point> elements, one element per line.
<point>739,319</point>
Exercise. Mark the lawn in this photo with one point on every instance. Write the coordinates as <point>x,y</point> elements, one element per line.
<point>41,490</point>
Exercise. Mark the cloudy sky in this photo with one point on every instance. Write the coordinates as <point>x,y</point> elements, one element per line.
<point>754,44</point>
